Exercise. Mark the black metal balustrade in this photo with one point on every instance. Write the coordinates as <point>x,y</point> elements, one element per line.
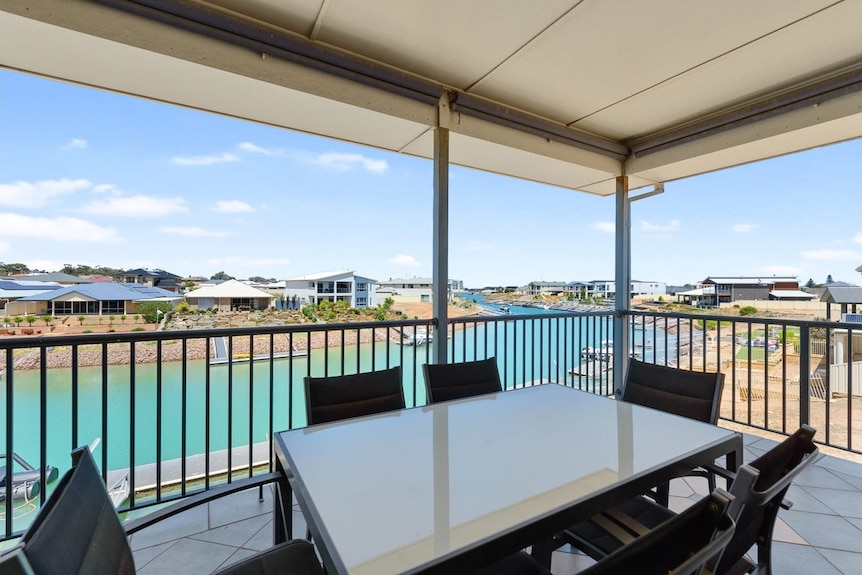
<point>176,411</point>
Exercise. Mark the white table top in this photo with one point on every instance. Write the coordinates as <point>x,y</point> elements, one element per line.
<point>398,492</point>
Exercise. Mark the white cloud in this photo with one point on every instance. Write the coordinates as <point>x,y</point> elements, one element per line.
<point>345,162</point>
<point>743,228</point>
<point>249,147</point>
<point>831,255</point>
<point>608,227</point>
<point>37,194</point>
<point>194,231</point>
<point>136,207</point>
<point>59,229</point>
<point>403,260</point>
<point>779,270</point>
<point>232,207</point>
<point>656,228</point>
<point>76,143</point>
<point>203,160</point>
<point>858,238</point>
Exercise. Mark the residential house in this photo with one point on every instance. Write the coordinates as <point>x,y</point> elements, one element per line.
<point>11,290</point>
<point>230,295</point>
<point>153,278</point>
<point>542,288</point>
<point>731,289</point>
<point>101,298</point>
<point>357,291</point>
<point>60,278</point>
<point>406,290</point>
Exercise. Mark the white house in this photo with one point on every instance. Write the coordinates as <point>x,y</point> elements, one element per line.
<point>357,291</point>
<point>407,290</point>
<point>231,295</point>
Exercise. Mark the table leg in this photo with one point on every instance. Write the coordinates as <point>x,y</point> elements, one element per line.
<point>542,551</point>
<point>282,510</point>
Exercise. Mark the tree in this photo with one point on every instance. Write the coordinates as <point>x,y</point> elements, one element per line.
<point>13,269</point>
<point>81,319</point>
<point>810,283</point>
<point>149,310</point>
<point>829,279</point>
<point>30,319</point>
<point>221,276</point>
<point>262,280</point>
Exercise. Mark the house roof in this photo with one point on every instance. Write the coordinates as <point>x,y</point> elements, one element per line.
<point>842,295</point>
<point>103,291</point>
<point>17,289</point>
<point>564,92</point>
<point>149,273</point>
<point>400,281</point>
<point>791,294</point>
<point>58,277</point>
<point>749,280</point>
<point>321,276</point>
<point>228,289</point>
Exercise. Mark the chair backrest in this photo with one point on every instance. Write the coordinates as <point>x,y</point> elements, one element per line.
<point>340,397</point>
<point>77,530</point>
<point>759,488</point>
<point>693,394</point>
<point>447,381</point>
<point>680,545</point>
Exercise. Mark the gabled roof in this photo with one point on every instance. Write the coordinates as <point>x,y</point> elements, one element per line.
<point>228,289</point>
<point>842,295</point>
<point>104,291</point>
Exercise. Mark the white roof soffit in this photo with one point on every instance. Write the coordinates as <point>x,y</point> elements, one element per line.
<point>563,92</point>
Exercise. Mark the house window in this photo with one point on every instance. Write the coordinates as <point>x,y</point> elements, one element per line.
<point>113,306</point>
<point>362,287</point>
<point>361,301</point>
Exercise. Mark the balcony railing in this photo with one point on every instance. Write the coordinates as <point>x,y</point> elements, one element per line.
<point>171,412</point>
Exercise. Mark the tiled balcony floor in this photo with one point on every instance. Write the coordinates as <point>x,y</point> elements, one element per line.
<point>821,534</point>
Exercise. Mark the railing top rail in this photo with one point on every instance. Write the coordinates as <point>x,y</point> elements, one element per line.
<point>747,319</point>
<point>168,335</point>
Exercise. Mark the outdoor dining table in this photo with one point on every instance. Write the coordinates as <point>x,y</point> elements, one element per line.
<point>452,486</point>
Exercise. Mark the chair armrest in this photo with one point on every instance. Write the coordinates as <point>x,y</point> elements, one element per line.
<point>200,498</point>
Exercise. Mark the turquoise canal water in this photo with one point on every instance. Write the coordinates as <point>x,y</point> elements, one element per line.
<point>526,351</point>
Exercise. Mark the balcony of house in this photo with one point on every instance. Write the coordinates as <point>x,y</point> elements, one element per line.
<point>165,418</point>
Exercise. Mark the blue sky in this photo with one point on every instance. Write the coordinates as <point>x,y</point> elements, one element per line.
<point>91,177</point>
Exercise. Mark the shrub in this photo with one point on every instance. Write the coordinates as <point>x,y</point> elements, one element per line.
<point>47,319</point>
<point>148,310</point>
<point>81,319</point>
<point>18,319</point>
<point>111,319</point>
<point>139,328</point>
<point>747,310</point>
<point>87,331</point>
<point>182,308</point>
<point>380,315</point>
<point>30,319</point>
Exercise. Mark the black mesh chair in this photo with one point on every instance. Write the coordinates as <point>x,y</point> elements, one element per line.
<point>758,490</point>
<point>682,545</point>
<point>343,396</point>
<point>448,381</point>
<point>77,531</point>
<point>692,394</point>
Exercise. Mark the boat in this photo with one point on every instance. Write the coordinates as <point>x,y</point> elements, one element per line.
<point>605,352</point>
<point>505,309</point>
<point>25,483</point>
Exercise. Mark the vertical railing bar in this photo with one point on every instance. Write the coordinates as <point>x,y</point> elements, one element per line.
<point>343,351</point>
<point>733,369</point>
<point>290,379</point>
<point>10,445</point>
<point>271,427</point>
<point>251,402</point>
<point>184,416</point>
<point>159,404</point>
<point>75,406</point>
<point>105,412</point>
<point>415,363</point>
<point>359,348</point>
<point>783,377</point>
<point>765,374</point>
<point>43,422</point>
<point>132,399</point>
<point>207,409</point>
<point>805,373</point>
<point>506,325</point>
<point>850,356</point>
<point>374,346</point>
<point>748,371</point>
<point>230,406</point>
